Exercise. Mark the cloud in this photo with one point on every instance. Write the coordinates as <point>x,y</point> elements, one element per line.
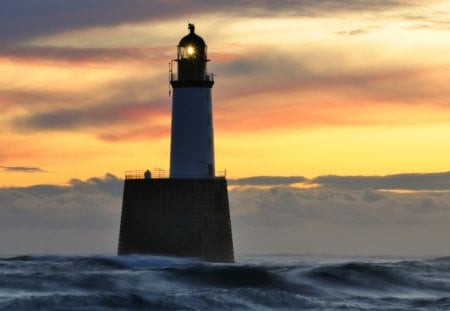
<point>266,180</point>
<point>30,98</point>
<point>435,20</point>
<point>371,196</point>
<point>81,204</point>
<point>383,82</point>
<point>92,104</point>
<point>31,19</point>
<point>84,217</point>
<point>22,169</point>
<point>67,119</point>
<point>353,32</point>
<point>135,133</point>
<point>338,96</point>
<point>109,111</point>
<point>346,222</point>
<point>79,56</point>
<point>424,181</point>
<point>319,8</point>
<point>289,206</point>
<point>320,91</point>
<point>341,94</point>
<point>22,19</point>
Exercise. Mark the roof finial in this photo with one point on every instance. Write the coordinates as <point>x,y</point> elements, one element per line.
<point>191,27</point>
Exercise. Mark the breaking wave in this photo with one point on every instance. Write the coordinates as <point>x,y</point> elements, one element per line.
<point>264,283</point>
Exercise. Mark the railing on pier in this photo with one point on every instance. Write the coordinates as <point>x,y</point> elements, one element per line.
<point>165,174</point>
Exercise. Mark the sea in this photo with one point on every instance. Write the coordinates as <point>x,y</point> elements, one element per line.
<point>281,282</point>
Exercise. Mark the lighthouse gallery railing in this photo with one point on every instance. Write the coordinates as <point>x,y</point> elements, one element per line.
<point>164,174</point>
<point>207,76</point>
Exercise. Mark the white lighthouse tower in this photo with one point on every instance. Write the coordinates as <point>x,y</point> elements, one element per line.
<point>192,141</point>
<point>188,214</point>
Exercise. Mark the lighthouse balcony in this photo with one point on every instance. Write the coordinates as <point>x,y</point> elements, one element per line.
<point>191,76</point>
<point>165,174</point>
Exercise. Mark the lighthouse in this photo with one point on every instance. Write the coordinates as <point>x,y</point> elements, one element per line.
<point>185,213</point>
<point>192,140</point>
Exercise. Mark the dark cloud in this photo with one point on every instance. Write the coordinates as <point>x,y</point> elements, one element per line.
<point>371,196</point>
<point>82,55</point>
<point>128,101</point>
<point>426,181</point>
<point>396,84</point>
<point>22,169</point>
<point>414,182</point>
<point>275,63</point>
<point>101,106</point>
<point>84,217</point>
<point>135,133</point>
<point>23,19</point>
<point>30,98</point>
<point>89,204</point>
<point>346,221</point>
<point>109,185</point>
<point>289,206</point>
<point>92,116</point>
<point>266,180</point>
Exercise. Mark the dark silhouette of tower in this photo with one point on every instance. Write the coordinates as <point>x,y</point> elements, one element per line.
<point>186,213</point>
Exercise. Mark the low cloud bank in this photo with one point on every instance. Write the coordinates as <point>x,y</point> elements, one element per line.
<point>416,181</point>
<point>429,181</point>
<point>335,218</point>
<point>328,221</point>
<point>82,217</point>
<point>266,180</point>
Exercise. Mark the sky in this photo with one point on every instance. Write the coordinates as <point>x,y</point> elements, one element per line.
<point>331,119</point>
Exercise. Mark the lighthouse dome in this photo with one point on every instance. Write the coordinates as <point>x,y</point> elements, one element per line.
<point>192,39</point>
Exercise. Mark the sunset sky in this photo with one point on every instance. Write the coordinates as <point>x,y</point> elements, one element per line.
<point>302,88</point>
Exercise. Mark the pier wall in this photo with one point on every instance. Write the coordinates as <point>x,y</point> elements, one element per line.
<point>177,217</point>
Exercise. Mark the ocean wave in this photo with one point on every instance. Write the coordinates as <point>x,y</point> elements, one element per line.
<point>445,259</point>
<point>164,283</point>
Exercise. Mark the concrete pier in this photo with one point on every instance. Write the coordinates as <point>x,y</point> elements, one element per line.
<point>177,217</point>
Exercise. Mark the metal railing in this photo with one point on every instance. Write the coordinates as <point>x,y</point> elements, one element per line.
<point>165,174</point>
<point>140,174</point>
<point>207,76</point>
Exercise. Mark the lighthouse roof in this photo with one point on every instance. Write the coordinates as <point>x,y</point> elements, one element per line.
<point>192,38</point>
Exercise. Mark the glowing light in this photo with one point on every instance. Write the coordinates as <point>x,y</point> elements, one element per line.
<point>190,50</point>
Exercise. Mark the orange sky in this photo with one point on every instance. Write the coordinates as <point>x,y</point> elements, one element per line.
<point>361,91</point>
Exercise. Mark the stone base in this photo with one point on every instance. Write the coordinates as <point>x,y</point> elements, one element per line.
<point>177,217</point>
